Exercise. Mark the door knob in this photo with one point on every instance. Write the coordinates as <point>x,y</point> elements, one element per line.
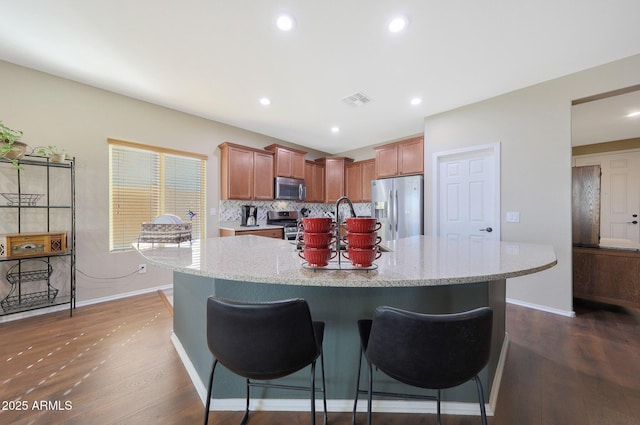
<point>633,222</point>
<point>488,229</point>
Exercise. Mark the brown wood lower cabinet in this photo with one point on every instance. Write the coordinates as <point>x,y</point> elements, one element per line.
<point>607,275</point>
<point>269,233</point>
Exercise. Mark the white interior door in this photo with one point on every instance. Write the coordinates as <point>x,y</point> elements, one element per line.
<point>467,193</point>
<point>620,193</point>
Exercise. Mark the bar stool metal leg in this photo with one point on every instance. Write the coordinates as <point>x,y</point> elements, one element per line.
<point>483,412</point>
<point>355,398</point>
<point>209,390</point>
<point>245,417</point>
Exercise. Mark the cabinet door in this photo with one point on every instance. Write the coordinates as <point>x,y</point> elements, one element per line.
<point>263,176</point>
<point>368,175</point>
<point>289,161</point>
<point>240,173</point>
<point>387,161</point>
<point>318,182</point>
<point>297,165</point>
<point>314,179</point>
<point>411,157</point>
<point>353,181</point>
<point>308,181</point>
<point>314,183</point>
<point>334,179</point>
<point>283,163</point>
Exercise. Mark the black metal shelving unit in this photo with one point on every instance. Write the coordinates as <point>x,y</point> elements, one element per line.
<point>24,273</point>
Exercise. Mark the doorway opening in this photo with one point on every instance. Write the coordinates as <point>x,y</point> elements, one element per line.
<point>605,136</point>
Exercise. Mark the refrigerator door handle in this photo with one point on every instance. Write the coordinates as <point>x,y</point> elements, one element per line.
<point>390,213</point>
<point>395,214</point>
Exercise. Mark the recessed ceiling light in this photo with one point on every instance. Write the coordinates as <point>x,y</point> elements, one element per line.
<point>265,101</point>
<point>285,22</point>
<point>398,23</point>
<point>416,101</point>
<point>335,129</point>
<point>634,114</point>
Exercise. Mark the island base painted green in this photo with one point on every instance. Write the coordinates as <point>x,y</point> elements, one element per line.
<point>340,308</point>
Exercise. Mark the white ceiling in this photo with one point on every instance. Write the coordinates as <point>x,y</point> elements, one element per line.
<point>215,58</point>
<point>606,120</point>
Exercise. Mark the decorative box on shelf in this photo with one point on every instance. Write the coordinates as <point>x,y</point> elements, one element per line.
<point>20,245</point>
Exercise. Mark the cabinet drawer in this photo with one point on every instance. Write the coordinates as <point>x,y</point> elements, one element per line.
<point>269,233</point>
<point>21,245</point>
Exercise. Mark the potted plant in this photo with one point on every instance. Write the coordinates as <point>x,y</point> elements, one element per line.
<point>10,146</point>
<point>52,152</point>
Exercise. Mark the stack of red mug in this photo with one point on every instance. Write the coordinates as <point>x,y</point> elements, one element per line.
<point>362,241</point>
<point>317,237</point>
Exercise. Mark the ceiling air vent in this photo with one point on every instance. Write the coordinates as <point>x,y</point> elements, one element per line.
<point>357,99</point>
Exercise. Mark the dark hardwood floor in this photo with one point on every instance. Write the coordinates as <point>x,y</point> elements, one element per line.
<point>113,363</point>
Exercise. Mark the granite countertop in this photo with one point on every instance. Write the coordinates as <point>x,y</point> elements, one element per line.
<point>414,261</point>
<point>235,226</point>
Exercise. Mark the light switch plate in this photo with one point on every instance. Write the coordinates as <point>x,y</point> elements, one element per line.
<point>513,217</point>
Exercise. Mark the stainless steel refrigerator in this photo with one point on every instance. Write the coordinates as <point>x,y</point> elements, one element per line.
<point>398,205</point>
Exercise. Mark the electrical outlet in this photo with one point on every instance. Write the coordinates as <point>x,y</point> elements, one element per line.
<point>142,268</point>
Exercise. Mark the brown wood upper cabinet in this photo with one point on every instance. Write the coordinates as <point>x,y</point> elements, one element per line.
<point>334,181</point>
<point>289,162</point>
<point>314,180</point>
<point>245,173</point>
<point>358,176</point>
<point>401,158</point>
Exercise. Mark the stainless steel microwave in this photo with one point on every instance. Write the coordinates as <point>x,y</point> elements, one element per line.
<point>290,189</point>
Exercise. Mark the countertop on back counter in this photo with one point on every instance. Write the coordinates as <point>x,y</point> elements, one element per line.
<point>414,261</point>
<point>235,226</point>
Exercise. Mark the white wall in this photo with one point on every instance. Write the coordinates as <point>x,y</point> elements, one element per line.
<point>80,118</point>
<point>533,126</point>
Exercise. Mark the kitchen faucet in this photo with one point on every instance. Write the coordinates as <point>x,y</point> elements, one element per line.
<point>344,198</point>
<point>353,213</point>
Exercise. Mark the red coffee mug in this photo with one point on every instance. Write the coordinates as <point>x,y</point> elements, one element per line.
<point>317,240</point>
<point>317,224</point>
<point>362,257</point>
<point>363,224</point>
<point>317,257</point>
<point>362,240</point>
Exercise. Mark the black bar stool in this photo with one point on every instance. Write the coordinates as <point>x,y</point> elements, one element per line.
<point>431,351</point>
<point>264,341</point>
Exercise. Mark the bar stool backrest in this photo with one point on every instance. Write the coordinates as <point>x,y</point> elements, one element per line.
<point>261,340</point>
<point>434,351</point>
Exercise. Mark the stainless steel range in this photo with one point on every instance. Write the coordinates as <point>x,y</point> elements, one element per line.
<point>287,219</point>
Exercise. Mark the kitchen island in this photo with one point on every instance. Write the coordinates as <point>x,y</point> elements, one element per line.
<point>418,273</point>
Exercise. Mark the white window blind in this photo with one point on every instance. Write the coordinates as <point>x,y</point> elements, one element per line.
<point>147,181</point>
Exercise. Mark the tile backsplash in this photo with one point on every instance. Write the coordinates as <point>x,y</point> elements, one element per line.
<point>231,210</point>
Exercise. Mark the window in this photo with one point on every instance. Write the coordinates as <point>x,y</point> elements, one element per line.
<point>146,181</point>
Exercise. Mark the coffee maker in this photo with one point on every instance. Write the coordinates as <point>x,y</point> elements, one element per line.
<point>249,216</point>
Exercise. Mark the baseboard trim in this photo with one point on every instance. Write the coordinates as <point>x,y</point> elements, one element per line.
<point>497,378</point>
<point>333,405</point>
<point>62,307</point>
<point>200,387</point>
<point>557,311</point>
<point>123,295</point>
